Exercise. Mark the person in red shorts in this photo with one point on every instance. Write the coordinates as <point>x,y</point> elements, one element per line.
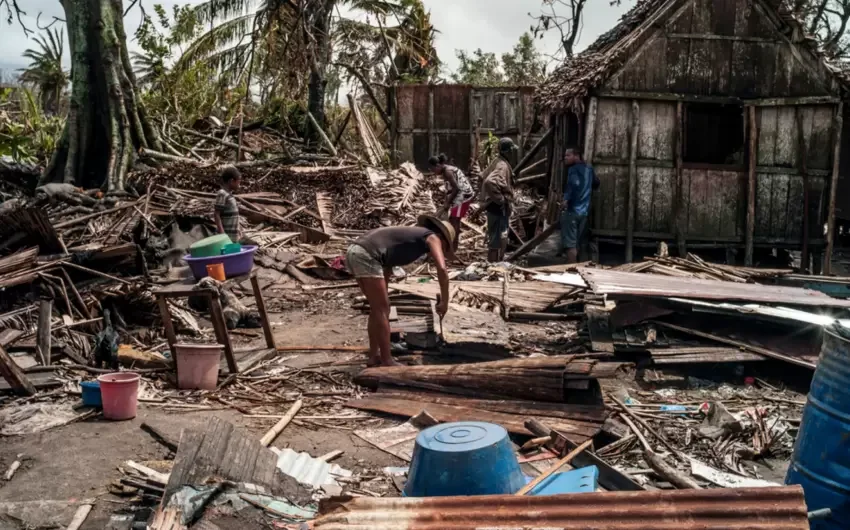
<point>459,194</point>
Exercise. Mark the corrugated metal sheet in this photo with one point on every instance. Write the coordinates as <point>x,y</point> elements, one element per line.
<point>715,509</point>
<point>308,470</point>
<point>628,284</point>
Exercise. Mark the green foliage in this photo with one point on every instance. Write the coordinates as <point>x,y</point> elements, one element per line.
<point>27,134</point>
<point>478,68</point>
<point>523,66</point>
<point>181,95</point>
<point>45,71</point>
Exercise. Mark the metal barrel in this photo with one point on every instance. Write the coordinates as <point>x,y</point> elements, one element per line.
<point>821,460</point>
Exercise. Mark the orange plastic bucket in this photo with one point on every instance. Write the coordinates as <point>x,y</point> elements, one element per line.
<point>197,366</point>
<point>120,395</point>
<point>216,271</point>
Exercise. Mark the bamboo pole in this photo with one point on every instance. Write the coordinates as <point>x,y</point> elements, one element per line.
<point>275,431</point>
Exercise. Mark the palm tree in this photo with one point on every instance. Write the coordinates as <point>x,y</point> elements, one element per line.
<point>149,69</point>
<point>45,71</point>
<point>294,44</point>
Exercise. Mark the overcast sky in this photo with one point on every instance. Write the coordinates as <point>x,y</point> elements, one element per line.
<point>492,25</point>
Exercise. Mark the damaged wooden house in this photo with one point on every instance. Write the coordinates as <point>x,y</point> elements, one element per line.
<point>710,123</point>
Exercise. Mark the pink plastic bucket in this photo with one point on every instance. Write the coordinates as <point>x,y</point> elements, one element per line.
<point>197,366</point>
<point>120,394</point>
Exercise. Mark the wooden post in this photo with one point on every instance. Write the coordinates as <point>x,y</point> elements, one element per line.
<point>803,148</point>
<point>590,131</point>
<point>679,216</point>
<point>473,130</point>
<point>168,326</point>
<point>392,108</point>
<point>837,124</point>
<point>432,137</point>
<point>42,338</point>
<point>632,204</point>
<point>261,308</point>
<point>752,155</point>
<point>220,327</point>
<point>13,374</point>
<point>589,148</point>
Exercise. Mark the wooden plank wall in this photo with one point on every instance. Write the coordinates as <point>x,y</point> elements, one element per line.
<point>713,206</point>
<point>779,179</point>
<point>441,119</point>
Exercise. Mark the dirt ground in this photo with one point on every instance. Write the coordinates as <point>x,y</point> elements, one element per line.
<point>78,461</point>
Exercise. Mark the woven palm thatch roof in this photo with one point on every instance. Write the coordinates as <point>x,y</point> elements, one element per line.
<point>571,82</point>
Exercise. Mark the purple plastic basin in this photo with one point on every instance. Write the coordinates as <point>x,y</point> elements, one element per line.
<point>234,264</point>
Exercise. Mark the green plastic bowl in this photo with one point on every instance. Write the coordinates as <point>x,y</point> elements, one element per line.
<point>232,248</point>
<point>210,246</point>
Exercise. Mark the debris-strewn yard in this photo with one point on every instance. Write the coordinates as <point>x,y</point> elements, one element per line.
<point>679,373</point>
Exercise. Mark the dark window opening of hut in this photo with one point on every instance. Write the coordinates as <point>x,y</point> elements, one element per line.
<point>713,134</point>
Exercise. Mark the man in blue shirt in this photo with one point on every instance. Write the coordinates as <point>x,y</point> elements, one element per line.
<point>581,181</point>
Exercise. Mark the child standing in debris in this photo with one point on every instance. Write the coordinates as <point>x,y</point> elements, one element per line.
<point>226,208</point>
<point>371,258</point>
<point>497,200</point>
<point>459,192</point>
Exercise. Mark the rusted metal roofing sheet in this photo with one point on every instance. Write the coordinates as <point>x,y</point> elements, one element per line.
<point>715,509</point>
<point>629,284</point>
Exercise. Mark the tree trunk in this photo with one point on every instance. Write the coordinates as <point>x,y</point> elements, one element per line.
<point>321,21</point>
<point>106,120</point>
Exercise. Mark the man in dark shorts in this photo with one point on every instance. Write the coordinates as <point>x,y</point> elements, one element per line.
<point>371,258</point>
<point>459,193</point>
<point>581,181</point>
<point>497,200</point>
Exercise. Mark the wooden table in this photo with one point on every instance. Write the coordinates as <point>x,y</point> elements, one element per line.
<point>186,288</point>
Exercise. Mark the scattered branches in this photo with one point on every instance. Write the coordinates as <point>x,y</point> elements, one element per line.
<point>13,10</point>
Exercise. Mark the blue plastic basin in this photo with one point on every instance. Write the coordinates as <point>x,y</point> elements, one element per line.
<point>91,394</point>
<point>463,458</point>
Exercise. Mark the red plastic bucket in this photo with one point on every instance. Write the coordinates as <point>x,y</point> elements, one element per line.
<point>120,395</point>
<point>197,366</point>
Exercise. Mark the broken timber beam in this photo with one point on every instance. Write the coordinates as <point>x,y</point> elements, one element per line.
<point>13,374</point>
<point>533,152</point>
<point>609,478</point>
<point>532,243</point>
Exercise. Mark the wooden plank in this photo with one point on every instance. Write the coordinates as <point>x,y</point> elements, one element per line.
<point>446,413</point>
<point>558,465</point>
<point>632,201</point>
<point>751,187</point>
<point>45,314</point>
<point>609,477</point>
<point>743,345</point>
<point>838,122</point>
<point>9,335</point>
<point>13,374</point>
<point>803,158</point>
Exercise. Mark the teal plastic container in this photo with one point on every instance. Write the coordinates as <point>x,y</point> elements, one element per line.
<point>232,248</point>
